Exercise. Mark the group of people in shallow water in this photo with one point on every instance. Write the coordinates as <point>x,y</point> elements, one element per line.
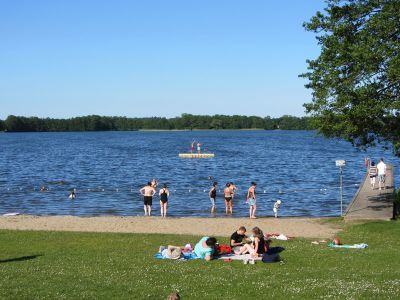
<point>229,193</point>
<point>255,244</point>
<point>149,191</point>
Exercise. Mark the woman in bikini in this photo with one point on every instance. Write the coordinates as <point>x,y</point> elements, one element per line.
<point>228,198</point>
<point>164,194</point>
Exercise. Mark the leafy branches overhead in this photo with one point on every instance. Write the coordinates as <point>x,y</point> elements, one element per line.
<point>356,78</point>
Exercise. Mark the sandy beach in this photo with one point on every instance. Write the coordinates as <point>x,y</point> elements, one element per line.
<point>297,227</point>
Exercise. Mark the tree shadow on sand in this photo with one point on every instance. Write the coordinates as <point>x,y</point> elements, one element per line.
<point>22,258</point>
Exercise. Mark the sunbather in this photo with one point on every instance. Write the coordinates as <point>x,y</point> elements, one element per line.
<point>205,248</point>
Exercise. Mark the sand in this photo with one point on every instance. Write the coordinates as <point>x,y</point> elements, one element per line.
<point>297,227</point>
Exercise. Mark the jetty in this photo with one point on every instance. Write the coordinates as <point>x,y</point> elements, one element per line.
<point>196,155</point>
<point>372,204</point>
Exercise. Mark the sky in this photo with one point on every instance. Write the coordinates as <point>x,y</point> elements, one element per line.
<point>154,58</point>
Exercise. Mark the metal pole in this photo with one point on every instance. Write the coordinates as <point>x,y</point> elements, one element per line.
<point>341,192</point>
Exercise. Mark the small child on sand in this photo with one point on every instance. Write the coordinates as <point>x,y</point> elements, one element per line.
<point>277,205</point>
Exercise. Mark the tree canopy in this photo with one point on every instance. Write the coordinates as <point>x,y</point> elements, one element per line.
<point>355,80</point>
<point>186,121</point>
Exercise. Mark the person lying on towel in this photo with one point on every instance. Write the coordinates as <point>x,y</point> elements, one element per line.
<point>205,248</point>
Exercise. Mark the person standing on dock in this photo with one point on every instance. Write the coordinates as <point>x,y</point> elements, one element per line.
<point>251,200</point>
<point>213,194</point>
<point>381,175</point>
<point>373,171</point>
<point>198,147</point>
<point>192,146</point>
<point>148,192</point>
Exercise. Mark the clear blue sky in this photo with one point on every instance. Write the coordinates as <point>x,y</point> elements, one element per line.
<point>154,58</point>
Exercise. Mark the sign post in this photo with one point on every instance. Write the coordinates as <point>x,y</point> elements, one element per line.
<point>341,163</point>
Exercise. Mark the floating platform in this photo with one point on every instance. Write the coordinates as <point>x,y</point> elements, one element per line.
<point>196,155</point>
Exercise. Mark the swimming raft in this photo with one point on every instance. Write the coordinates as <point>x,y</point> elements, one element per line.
<point>196,155</point>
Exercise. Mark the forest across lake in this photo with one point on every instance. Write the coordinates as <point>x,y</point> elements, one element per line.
<point>183,122</point>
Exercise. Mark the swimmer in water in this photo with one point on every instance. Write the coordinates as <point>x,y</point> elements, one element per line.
<point>228,198</point>
<point>43,189</point>
<point>251,200</point>
<point>148,192</point>
<point>164,195</point>
<point>72,195</point>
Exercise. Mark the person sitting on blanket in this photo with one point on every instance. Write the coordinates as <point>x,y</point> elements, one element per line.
<point>205,248</point>
<point>237,238</point>
<point>257,247</point>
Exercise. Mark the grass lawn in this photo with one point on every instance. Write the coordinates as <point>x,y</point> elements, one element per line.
<point>58,265</point>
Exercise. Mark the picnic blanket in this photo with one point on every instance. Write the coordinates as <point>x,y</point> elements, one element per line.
<point>278,236</point>
<point>355,246</point>
<point>184,256</point>
<point>238,257</point>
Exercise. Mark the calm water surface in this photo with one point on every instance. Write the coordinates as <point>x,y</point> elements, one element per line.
<point>108,168</point>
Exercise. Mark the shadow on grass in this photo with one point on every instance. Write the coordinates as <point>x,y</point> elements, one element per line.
<point>22,258</point>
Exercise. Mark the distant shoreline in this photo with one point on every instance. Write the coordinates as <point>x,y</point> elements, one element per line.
<point>160,130</point>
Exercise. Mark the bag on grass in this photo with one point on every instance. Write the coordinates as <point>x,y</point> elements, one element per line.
<point>224,249</point>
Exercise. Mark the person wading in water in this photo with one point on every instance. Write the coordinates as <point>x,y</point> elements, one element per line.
<point>251,200</point>
<point>148,192</point>
<point>213,194</point>
<point>164,194</point>
<point>228,198</point>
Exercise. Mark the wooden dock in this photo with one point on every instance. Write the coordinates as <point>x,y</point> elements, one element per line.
<point>371,204</point>
<point>196,155</point>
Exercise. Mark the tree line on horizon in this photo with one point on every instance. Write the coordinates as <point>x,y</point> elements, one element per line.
<point>184,122</point>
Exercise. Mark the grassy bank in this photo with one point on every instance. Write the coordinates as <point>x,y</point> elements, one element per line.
<point>99,265</point>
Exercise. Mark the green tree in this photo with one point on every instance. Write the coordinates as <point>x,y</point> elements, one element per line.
<point>356,78</point>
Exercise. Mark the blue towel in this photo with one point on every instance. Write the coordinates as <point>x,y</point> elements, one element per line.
<point>185,256</point>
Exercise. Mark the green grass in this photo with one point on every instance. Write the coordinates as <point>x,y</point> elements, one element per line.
<point>105,265</point>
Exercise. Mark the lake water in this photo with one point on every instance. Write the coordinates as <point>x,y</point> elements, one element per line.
<point>108,168</point>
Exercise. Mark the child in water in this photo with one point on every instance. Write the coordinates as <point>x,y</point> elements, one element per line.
<point>277,205</point>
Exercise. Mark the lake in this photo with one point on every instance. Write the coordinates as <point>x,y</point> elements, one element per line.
<point>108,168</point>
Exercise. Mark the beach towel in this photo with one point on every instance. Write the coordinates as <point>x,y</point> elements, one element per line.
<point>11,214</point>
<point>238,257</point>
<point>278,236</point>
<point>355,246</point>
<point>185,256</point>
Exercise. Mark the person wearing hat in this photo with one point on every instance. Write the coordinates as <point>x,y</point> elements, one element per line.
<point>172,252</point>
<point>277,205</point>
<point>205,248</point>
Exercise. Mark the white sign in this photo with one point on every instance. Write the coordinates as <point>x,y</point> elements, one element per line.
<point>340,163</point>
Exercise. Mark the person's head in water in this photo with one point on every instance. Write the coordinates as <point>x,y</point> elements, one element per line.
<point>149,183</point>
<point>254,184</point>
<point>228,184</point>
<point>165,186</point>
<point>372,163</point>
<point>381,159</point>
<point>215,184</point>
<point>211,241</point>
